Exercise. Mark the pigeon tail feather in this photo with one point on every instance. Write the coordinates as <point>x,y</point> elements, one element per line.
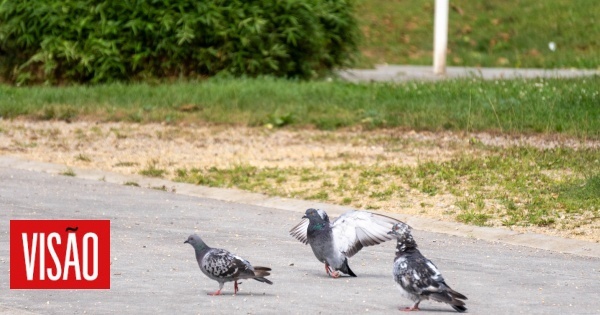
<point>346,269</point>
<point>261,279</point>
<point>452,298</point>
<point>459,308</point>
<point>260,274</point>
<point>456,295</point>
<point>443,297</point>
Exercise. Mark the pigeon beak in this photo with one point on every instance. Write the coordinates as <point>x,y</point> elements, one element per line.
<point>186,242</point>
<point>304,217</point>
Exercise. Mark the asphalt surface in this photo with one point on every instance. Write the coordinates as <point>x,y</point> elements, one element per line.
<point>153,272</point>
<point>399,73</point>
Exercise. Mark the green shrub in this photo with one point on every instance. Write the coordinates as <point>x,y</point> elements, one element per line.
<point>63,41</point>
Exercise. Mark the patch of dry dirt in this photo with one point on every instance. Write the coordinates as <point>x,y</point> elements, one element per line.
<point>128,148</point>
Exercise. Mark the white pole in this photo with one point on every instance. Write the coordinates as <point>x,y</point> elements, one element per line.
<point>440,40</point>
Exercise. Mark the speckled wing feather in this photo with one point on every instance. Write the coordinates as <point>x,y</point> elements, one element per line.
<point>220,263</point>
<point>355,229</point>
<point>300,231</point>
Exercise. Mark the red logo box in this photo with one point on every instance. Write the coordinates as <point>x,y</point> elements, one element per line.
<point>60,254</point>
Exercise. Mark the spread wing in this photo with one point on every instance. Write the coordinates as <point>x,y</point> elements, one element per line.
<point>299,231</point>
<point>355,229</point>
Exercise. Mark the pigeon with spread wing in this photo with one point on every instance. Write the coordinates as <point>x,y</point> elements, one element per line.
<point>334,242</point>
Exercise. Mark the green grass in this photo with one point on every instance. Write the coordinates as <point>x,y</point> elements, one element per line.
<point>125,164</point>
<point>544,183</point>
<point>473,217</point>
<point>514,186</point>
<point>522,106</point>
<point>486,33</point>
<point>241,176</point>
<point>152,171</point>
<point>68,172</point>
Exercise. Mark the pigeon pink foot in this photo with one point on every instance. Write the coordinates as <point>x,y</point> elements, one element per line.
<point>332,273</point>
<point>235,287</point>
<point>411,308</point>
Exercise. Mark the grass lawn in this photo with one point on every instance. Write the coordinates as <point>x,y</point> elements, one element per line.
<point>488,33</point>
<point>531,183</point>
<point>523,186</point>
<point>547,106</point>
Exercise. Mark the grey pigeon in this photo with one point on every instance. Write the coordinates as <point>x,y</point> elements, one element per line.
<point>223,266</point>
<point>417,277</point>
<point>333,243</point>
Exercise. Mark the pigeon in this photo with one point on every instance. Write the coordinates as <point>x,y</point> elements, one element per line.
<point>417,277</point>
<point>333,243</point>
<point>223,266</point>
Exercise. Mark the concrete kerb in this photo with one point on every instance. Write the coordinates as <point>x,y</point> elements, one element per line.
<point>532,240</point>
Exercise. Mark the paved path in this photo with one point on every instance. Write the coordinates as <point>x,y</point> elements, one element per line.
<point>153,272</point>
<point>405,73</point>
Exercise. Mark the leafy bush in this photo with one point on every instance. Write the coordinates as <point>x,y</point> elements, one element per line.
<point>61,41</point>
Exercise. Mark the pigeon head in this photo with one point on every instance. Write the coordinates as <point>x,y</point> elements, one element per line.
<point>196,242</point>
<point>316,215</point>
<point>402,232</point>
